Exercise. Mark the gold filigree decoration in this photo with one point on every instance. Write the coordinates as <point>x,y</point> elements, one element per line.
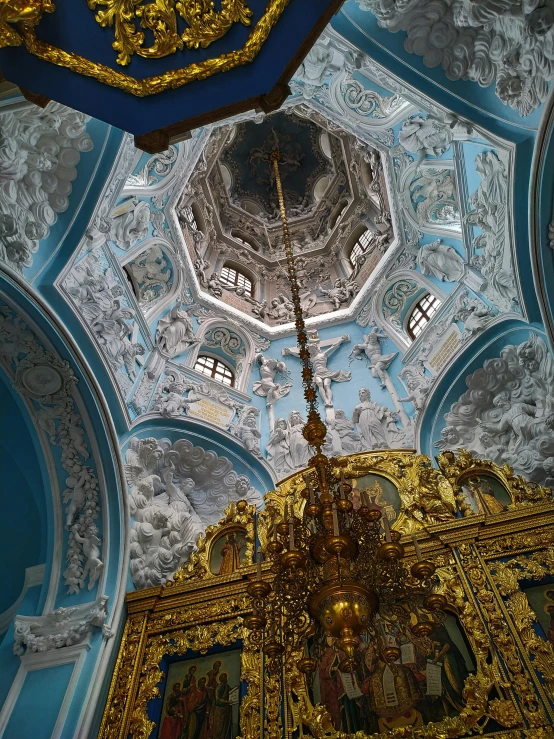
<point>206,612</point>
<point>507,575</point>
<point>19,16</point>
<point>169,80</point>
<point>124,679</point>
<point>205,25</point>
<point>426,495</point>
<point>237,515</point>
<point>503,640</point>
<point>517,542</point>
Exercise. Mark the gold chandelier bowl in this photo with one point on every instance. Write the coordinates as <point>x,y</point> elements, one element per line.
<point>343,605</point>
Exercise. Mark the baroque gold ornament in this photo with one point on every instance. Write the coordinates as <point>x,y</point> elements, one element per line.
<point>205,25</point>
<point>18,19</point>
<point>18,16</point>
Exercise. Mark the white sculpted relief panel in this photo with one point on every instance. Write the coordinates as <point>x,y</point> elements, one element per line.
<point>39,153</point>
<point>507,413</point>
<point>503,41</point>
<point>101,301</point>
<point>48,382</point>
<point>176,491</point>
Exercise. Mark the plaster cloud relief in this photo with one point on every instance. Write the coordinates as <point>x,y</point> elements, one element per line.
<point>39,153</point>
<point>176,490</point>
<point>507,413</point>
<point>507,43</point>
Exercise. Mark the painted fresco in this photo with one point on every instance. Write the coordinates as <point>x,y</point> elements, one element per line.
<point>201,699</point>
<point>228,552</point>
<point>424,685</point>
<point>381,493</point>
<point>483,494</point>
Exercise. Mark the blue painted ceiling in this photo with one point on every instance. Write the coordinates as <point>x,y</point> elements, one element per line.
<point>302,162</point>
<point>23,541</point>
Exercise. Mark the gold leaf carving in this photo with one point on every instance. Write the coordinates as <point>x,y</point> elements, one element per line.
<point>16,16</point>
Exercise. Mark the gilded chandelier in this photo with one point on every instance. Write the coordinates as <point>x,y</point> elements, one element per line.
<point>334,568</point>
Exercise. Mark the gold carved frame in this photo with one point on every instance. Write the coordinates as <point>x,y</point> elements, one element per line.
<point>480,563</point>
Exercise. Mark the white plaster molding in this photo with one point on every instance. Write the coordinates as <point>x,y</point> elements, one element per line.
<point>34,661</point>
<point>175,491</point>
<point>33,576</point>
<point>509,43</point>
<point>40,151</point>
<point>63,627</point>
<point>103,661</point>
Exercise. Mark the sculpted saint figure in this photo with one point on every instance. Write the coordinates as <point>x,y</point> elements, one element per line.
<point>175,331</point>
<point>378,363</point>
<point>368,416</point>
<point>323,377</point>
<point>278,446</point>
<point>441,261</point>
<point>266,386</point>
<point>299,450</point>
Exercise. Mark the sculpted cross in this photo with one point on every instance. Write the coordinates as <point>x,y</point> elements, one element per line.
<point>320,351</point>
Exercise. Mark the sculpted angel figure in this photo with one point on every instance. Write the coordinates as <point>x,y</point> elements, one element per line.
<point>371,348</point>
<point>266,386</point>
<point>368,416</point>
<point>175,331</point>
<point>75,495</point>
<point>418,385</point>
<point>93,565</point>
<point>323,377</point>
<point>340,293</point>
<point>200,267</point>
<point>214,285</point>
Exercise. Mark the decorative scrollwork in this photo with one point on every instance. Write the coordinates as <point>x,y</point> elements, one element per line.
<point>205,24</point>
<point>168,80</point>
<point>16,15</point>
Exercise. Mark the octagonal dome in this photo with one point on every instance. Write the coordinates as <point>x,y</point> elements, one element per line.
<point>337,207</point>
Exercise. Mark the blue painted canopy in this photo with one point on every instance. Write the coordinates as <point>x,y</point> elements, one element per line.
<point>74,27</point>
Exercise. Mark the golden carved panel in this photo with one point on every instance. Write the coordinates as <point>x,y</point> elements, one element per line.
<point>482,564</point>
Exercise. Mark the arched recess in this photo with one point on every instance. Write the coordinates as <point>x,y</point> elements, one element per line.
<point>217,338</point>
<point>71,425</point>
<point>246,271</point>
<point>209,466</point>
<point>509,357</point>
<point>26,504</point>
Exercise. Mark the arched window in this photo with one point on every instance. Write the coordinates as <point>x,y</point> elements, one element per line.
<point>360,247</point>
<point>421,314</point>
<point>215,369</point>
<point>233,278</point>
